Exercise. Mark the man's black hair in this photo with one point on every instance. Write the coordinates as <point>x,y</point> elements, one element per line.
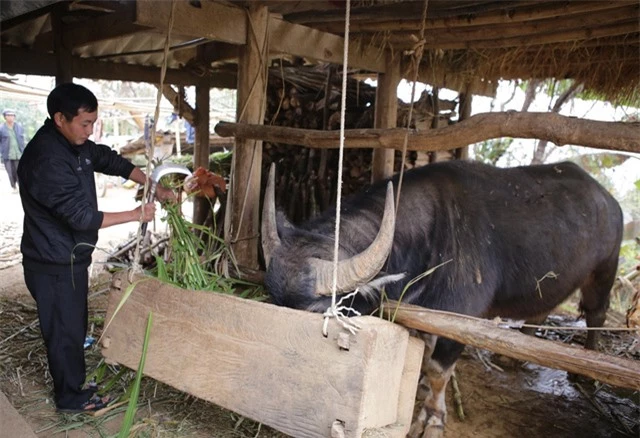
<point>69,98</point>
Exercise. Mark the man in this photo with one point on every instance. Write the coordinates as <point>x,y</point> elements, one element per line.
<point>61,222</point>
<point>11,146</point>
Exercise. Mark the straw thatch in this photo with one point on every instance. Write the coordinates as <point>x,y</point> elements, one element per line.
<point>464,44</point>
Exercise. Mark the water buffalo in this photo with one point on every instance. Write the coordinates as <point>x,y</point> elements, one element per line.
<point>518,242</point>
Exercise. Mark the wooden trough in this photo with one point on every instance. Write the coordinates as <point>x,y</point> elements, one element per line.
<point>268,363</point>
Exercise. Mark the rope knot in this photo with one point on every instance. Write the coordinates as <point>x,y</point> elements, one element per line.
<point>336,311</point>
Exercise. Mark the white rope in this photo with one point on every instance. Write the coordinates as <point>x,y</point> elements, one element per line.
<point>417,59</point>
<point>335,310</point>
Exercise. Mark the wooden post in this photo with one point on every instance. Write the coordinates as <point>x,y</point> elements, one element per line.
<point>466,99</point>
<point>201,205</point>
<point>63,53</point>
<point>386,116</point>
<point>244,193</point>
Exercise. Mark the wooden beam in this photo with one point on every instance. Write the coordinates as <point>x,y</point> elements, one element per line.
<point>21,61</point>
<point>212,20</point>
<point>548,28</point>
<point>561,130</point>
<point>22,12</point>
<point>409,10</point>
<point>243,201</point>
<point>439,75</point>
<point>268,363</point>
<point>306,42</point>
<point>518,14</point>
<point>628,26</point>
<point>100,28</point>
<point>230,27</point>
<point>486,334</point>
<point>386,116</point>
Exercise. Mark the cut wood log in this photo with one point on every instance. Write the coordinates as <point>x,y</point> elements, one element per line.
<point>486,334</point>
<point>561,130</point>
<point>268,363</point>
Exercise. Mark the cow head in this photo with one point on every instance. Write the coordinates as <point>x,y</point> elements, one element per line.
<point>300,263</point>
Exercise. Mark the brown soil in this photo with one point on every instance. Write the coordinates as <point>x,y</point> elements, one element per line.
<point>522,400</point>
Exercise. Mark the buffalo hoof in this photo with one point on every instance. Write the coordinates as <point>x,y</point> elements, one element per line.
<point>431,428</point>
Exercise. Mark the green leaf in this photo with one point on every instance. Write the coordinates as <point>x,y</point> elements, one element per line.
<point>135,393</point>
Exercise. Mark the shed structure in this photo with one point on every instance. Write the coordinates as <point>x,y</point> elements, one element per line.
<point>465,45</point>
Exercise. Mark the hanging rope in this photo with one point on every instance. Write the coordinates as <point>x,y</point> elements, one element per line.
<point>151,151</point>
<point>334,311</point>
<point>417,52</point>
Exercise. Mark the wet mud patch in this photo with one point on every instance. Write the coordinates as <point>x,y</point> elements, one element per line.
<point>506,398</point>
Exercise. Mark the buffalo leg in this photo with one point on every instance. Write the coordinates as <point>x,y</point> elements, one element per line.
<point>595,301</point>
<point>437,367</point>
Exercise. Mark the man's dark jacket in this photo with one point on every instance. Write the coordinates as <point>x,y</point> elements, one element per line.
<point>57,187</point>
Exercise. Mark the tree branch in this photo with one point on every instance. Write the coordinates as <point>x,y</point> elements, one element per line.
<point>561,130</point>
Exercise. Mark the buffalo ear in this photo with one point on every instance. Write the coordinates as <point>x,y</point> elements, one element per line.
<point>372,289</point>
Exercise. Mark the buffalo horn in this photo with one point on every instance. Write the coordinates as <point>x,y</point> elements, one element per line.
<point>361,268</point>
<point>270,239</point>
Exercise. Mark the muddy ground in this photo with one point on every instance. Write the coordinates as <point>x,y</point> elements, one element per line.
<point>498,400</point>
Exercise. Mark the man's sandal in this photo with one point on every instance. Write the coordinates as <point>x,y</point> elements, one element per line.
<point>92,386</point>
<point>95,403</point>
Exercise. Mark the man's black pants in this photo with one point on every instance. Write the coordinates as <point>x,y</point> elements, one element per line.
<point>63,315</point>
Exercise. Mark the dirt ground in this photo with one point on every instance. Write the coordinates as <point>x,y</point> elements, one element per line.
<point>498,400</point>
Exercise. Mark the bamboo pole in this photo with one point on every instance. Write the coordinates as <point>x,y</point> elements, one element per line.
<point>556,128</point>
<point>485,334</point>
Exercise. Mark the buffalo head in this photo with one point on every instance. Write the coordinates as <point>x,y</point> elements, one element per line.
<point>300,263</point>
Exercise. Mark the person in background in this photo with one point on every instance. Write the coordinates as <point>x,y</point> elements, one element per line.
<point>11,146</point>
<point>61,223</point>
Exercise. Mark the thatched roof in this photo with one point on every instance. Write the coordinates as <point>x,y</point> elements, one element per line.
<point>467,43</point>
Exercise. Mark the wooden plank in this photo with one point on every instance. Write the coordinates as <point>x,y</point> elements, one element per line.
<point>306,42</point>
<point>486,334</point>
<point>561,130</point>
<point>265,362</point>
<point>212,20</point>
<point>220,22</point>
<point>13,425</point>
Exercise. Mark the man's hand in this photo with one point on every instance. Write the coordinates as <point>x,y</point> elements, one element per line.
<point>164,194</point>
<point>148,213</point>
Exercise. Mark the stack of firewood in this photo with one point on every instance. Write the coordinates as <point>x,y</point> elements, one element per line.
<point>310,98</point>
